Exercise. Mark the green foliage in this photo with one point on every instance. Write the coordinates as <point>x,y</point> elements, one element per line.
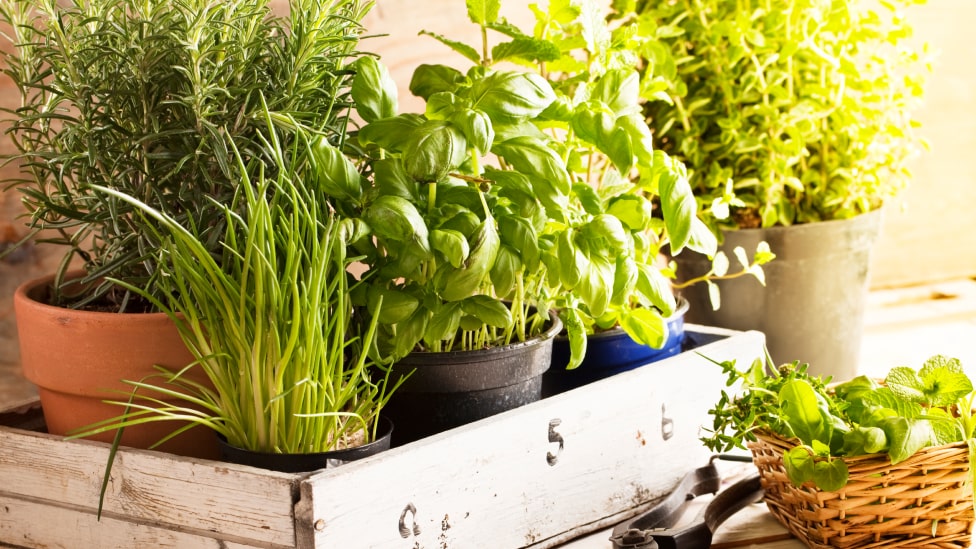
<point>270,322</point>
<point>784,112</point>
<point>909,411</point>
<point>567,212</point>
<point>150,99</point>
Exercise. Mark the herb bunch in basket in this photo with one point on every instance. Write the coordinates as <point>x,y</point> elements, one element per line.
<point>824,423</point>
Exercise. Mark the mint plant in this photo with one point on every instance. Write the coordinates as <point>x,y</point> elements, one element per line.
<point>908,411</point>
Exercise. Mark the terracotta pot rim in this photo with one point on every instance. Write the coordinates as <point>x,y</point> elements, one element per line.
<point>26,295</point>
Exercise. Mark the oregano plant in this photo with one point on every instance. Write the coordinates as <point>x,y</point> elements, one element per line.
<point>785,113</point>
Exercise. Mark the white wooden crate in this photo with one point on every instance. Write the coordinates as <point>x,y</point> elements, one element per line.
<point>506,481</point>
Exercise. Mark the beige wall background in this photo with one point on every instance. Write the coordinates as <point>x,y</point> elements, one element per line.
<point>929,235</point>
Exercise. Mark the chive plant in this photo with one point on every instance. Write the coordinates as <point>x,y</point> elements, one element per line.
<point>150,98</point>
<point>270,321</point>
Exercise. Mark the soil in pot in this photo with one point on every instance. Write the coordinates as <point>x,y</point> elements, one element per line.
<point>301,463</point>
<point>450,389</point>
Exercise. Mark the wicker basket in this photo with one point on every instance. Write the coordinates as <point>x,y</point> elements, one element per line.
<point>924,501</point>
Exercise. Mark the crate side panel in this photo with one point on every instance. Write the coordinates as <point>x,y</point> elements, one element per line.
<point>506,481</point>
<point>169,491</point>
<point>39,525</point>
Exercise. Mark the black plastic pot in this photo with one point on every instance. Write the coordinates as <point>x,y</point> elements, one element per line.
<point>450,389</point>
<point>302,463</point>
<point>609,353</point>
<point>812,306</point>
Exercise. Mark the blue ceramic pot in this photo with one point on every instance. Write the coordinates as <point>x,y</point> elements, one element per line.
<point>609,353</point>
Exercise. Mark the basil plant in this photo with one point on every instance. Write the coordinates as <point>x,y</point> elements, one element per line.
<point>518,191</point>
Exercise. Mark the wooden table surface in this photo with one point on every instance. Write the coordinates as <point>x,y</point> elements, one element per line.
<point>752,527</point>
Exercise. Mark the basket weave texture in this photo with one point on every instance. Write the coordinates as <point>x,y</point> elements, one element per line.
<point>924,501</point>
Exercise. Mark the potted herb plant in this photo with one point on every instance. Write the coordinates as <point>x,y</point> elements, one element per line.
<point>857,463</point>
<point>627,201</point>
<point>510,196</point>
<point>148,99</point>
<point>462,315</point>
<point>795,123</point>
<point>271,324</point>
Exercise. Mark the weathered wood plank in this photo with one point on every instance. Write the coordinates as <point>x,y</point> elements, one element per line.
<point>626,441</point>
<point>40,525</point>
<point>172,492</point>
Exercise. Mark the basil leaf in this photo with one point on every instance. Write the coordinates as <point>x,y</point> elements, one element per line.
<point>619,89</point>
<point>391,178</point>
<point>488,310</point>
<point>543,167</point>
<point>508,264</point>
<point>677,201</point>
<point>609,228</point>
<point>336,175</point>
<point>641,139</point>
<point>518,233</point>
<point>430,79</point>
<point>596,286</point>
<point>645,326</point>
<point>573,263</point>
<point>397,219</point>
<point>633,211</point>
<point>625,278</point>
<point>393,305</point>
<point>452,244</point>
<point>390,133</point>
<point>510,96</point>
<point>576,333</point>
<point>373,90</point>
<point>433,150</point>
<point>408,333</point>
<point>444,322</point>
<point>477,128</point>
<point>655,288</point>
<point>457,284</point>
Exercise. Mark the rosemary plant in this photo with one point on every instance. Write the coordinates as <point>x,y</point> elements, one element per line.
<point>150,98</point>
<point>271,322</point>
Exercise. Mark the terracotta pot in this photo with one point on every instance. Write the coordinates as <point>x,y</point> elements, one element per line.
<point>77,359</point>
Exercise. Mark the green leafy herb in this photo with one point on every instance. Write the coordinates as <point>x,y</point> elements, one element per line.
<point>909,411</point>
<point>785,112</point>
<point>151,99</point>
